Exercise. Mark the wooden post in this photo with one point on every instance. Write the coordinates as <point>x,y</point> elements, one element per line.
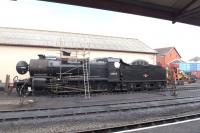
<point>8,87</point>
<point>7,82</point>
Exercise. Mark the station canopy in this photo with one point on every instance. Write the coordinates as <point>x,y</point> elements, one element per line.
<point>184,11</point>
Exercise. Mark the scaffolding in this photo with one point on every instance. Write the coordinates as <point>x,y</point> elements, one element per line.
<point>79,54</point>
<point>83,54</point>
<point>86,72</point>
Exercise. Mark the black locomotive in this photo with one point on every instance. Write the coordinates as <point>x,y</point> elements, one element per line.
<point>56,75</point>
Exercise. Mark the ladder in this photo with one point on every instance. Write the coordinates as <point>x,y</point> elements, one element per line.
<point>86,78</point>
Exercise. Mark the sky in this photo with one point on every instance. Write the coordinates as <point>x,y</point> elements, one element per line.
<point>155,33</point>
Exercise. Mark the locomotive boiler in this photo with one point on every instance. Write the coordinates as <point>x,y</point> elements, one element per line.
<point>56,75</point>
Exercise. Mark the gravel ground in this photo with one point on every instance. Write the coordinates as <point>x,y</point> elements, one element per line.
<point>93,108</point>
<point>13,102</point>
<point>77,123</point>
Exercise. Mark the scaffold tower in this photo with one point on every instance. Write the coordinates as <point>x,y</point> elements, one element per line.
<point>86,72</point>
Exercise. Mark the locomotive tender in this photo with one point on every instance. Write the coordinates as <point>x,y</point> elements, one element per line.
<point>56,75</point>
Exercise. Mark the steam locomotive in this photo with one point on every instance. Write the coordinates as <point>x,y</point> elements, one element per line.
<point>57,75</point>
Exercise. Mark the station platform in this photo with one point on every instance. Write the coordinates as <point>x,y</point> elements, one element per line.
<point>188,126</point>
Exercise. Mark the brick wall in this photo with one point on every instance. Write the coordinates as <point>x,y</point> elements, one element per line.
<point>164,60</point>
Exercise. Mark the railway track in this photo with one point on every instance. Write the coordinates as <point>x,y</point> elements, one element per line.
<point>125,101</point>
<point>182,88</point>
<point>92,109</point>
<point>159,92</point>
<point>129,127</point>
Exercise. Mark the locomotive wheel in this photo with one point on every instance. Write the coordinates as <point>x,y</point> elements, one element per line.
<point>21,90</point>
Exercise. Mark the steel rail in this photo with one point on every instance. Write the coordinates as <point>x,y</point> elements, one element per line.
<point>99,111</point>
<point>128,101</point>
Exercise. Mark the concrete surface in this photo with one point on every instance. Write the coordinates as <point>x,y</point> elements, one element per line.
<point>188,126</point>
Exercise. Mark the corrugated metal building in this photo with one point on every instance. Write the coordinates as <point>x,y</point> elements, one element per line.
<point>193,68</point>
<point>25,44</point>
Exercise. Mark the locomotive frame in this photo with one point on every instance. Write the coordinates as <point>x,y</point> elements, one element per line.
<point>53,76</point>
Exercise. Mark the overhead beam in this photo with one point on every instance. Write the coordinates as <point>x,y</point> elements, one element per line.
<point>187,14</point>
<point>181,12</point>
<point>142,8</point>
<point>119,6</point>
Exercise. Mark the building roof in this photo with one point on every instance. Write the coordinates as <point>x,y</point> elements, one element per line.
<point>195,59</point>
<point>177,61</point>
<point>41,38</point>
<point>185,11</point>
<point>165,51</point>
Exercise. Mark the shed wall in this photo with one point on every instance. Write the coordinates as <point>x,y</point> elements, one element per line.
<point>10,55</point>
